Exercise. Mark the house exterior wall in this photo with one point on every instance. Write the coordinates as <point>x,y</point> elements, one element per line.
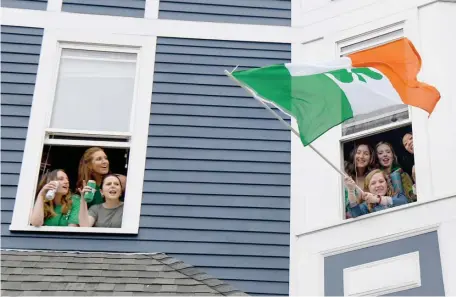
<point>216,186</point>
<point>20,53</point>
<point>321,240</point>
<point>25,4</point>
<point>126,8</point>
<point>259,12</point>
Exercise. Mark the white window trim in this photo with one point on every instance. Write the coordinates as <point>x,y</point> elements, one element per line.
<point>40,116</point>
<point>151,9</point>
<point>54,5</point>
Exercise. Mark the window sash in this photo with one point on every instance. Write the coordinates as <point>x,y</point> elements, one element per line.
<point>74,52</point>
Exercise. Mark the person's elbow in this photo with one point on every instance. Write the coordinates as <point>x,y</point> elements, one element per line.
<point>36,222</point>
<point>83,223</point>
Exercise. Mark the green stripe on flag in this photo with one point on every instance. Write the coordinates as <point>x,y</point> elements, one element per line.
<point>315,101</point>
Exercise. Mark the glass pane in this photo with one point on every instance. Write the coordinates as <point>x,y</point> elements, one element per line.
<point>94,91</point>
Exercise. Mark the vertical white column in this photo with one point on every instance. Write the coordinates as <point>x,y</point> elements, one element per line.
<point>151,9</point>
<point>54,5</point>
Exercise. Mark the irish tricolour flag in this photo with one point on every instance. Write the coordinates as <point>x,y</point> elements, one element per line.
<point>322,96</point>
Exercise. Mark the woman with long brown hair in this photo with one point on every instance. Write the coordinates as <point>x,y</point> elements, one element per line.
<point>401,180</point>
<point>378,194</point>
<point>94,165</point>
<point>60,211</point>
<point>361,161</point>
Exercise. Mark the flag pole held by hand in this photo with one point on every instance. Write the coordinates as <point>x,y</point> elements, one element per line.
<point>259,99</point>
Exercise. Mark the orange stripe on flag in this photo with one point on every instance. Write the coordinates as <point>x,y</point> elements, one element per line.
<point>400,62</point>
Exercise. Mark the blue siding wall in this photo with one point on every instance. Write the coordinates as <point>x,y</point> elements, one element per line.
<point>219,163</point>
<point>25,4</point>
<point>127,8</point>
<point>217,180</point>
<point>20,52</point>
<point>260,12</point>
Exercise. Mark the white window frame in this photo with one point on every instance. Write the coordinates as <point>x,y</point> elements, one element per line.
<point>40,116</point>
<point>409,29</point>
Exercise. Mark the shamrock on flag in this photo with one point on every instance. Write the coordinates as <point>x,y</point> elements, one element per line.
<point>322,96</point>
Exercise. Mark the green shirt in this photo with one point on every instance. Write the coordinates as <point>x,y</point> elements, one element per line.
<point>97,198</point>
<point>72,217</point>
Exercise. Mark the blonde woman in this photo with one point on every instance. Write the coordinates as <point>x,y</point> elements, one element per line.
<point>378,194</point>
<point>60,211</point>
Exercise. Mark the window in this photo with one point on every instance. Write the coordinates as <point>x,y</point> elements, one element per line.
<point>92,90</point>
<point>377,147</point>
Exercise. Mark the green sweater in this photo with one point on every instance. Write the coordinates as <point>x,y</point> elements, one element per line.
<point>71,217</point>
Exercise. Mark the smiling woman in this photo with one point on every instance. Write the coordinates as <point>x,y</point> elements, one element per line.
<point>390,153</point>
<point>361,161</point>
<point>378,195</point>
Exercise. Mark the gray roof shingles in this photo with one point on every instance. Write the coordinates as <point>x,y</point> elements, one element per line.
<point>44,273</point>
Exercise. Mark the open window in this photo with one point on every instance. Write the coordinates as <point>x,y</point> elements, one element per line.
<point>382,140</point>
<point>91,91</point>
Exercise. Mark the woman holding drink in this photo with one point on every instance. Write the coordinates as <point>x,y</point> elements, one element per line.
<point>93,166</point>
<point>399,179</point>
<point>107,214</point>
<point>54,202</point>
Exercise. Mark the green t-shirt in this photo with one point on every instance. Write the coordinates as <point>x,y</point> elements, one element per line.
<point>71,217</point>
<point>97,198</point>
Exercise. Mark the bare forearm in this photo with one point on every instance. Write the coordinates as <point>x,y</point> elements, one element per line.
<point>83,214</point>
<point>37,218</point>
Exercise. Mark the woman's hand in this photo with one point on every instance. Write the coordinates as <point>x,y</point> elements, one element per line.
<point>52,185</point>
<point>370,198</point>
<point>350,183</point>
<point>84,189</point>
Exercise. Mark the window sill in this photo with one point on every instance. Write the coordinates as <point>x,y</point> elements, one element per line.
<point>371,215</point>
<point>74,229</point>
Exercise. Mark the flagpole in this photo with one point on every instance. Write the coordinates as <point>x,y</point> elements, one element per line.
<point>287,125</point>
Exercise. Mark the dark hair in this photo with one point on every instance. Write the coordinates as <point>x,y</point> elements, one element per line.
<point>121,198</point>
<point>111,174</point>
<point>350,164</point>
